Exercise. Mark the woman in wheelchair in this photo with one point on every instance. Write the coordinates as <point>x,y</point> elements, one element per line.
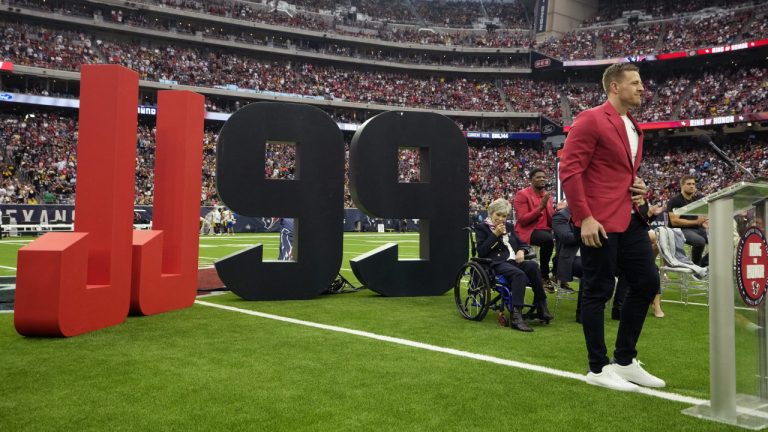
<point>496,240</point>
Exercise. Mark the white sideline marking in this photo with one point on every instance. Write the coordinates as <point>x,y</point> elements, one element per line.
<point>237,245</point>
<point>239,237</point>
<point>408,255</point>
<point>362,242</point>
<point>201,267</point>
<point>211,294</point>
<point>9,268</point>
<point>482,357</point>
<point>706,305</point>
<point>377,234</point>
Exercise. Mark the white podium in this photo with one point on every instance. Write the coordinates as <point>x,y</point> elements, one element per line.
<point>747,408</point>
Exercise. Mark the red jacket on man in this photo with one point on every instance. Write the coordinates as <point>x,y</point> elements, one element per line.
<point>596,169</point>
<point>528,215</point>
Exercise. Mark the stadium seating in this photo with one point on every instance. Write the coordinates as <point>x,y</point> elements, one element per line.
<point>38,163</point>
<point>674,27</point>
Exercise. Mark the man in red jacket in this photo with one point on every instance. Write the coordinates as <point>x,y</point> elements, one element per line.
<point>533,213</point>
<point>598,172</point>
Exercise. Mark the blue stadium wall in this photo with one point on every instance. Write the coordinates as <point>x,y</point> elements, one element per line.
<point>354,219</point>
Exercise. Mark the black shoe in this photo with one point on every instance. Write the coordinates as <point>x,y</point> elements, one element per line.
<point>517,322</point>
<point>549,287</point>
<point>542,312</point>
<point>565,289</point>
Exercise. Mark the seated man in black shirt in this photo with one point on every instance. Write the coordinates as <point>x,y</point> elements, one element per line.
<point>694,227</point>
<point>567,241</point>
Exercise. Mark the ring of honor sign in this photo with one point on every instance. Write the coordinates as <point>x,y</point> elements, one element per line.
<point>750,267</point>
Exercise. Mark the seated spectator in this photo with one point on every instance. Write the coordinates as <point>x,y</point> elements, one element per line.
<point>694,227</point>
<point>497,240</point>
<point>567,256</point>
<point>533,210</point>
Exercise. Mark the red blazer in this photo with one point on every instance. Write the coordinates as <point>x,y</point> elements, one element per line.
<point>527,212</point>
<point>596,170</point>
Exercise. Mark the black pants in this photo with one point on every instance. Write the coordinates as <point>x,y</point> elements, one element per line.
<point>697,238</point>
<point>520,275</point>
<point>629,252</point>
<point>622,286</point>
<point>578,272</point>
<point>546,243</point>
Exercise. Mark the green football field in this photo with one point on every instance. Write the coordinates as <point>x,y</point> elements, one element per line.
<point>348,362</point>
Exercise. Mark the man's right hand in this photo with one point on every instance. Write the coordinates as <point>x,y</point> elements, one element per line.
<point>591,231</point>
<point>544,201</point>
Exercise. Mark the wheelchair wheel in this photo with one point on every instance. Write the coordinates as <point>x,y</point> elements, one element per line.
<point>472,291</point>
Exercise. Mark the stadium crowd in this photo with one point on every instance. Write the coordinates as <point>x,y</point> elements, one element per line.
<point>679,34</point>
<point>280,161</point>
<point>574,45</point>
<point>715,93</point>
<point>39,157</point>
<point>639,39</point>
<point>677,26</point>
<point>612,10</point>
<point>720,93</point>
<point>518,92</point>
<point>39,163</point>
<point>38,160</point>
<point>36,46</point>
<point>702,31</point>
<point>664,165</point>
<point>444,13</point>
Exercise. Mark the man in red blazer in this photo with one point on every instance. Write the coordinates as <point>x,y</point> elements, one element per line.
<point>533,214</point>
<point>598,172</point>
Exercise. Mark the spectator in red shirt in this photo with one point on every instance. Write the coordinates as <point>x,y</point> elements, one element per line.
<point>533,210</point>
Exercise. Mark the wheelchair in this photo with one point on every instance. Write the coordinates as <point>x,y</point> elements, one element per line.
<point>478,289</point>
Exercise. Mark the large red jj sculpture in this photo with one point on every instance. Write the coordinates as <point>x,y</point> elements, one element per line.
<point>72,283</point>
<point>165,259</point>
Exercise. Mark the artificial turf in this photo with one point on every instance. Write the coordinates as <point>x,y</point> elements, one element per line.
<point>203,368</point>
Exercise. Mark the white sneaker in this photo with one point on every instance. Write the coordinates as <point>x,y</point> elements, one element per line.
<point>635,373</point>
<point>608,378</point>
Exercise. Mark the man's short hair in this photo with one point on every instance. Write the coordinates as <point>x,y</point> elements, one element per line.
<point>685,178</point>
<point>614,72</point>
<point>534,172</point>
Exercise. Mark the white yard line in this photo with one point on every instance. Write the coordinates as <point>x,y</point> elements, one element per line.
<point>210,266</point>
<point>705,305</point>
<point>459,353</point>
<point>354,234</point>
<point>240,237</point>
<point>363,242</point>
